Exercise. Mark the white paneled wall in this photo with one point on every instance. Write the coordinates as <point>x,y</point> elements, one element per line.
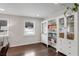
<point>16,30</point>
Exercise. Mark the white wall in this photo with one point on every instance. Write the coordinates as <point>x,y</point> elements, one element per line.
<point>16,30</point>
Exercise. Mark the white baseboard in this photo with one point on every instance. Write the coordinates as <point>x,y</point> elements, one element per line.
<point>24,44</point>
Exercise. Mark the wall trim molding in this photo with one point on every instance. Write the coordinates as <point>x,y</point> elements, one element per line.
<point>25,44</point>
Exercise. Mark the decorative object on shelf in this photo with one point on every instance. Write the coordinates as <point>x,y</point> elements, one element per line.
<point>61,35</point>
<point>74,8</point>
<point>52,27</point>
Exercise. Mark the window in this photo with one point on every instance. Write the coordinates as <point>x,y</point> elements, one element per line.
<point>3,27</point>
<point>29,28</point>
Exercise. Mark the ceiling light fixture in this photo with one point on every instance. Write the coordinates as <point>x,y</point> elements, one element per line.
<point>1,9</point>
<point>37,15</point>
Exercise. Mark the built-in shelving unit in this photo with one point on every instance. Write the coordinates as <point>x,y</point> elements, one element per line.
<point>63,34</point>
<point>52,33</point>
<point>69,27</point>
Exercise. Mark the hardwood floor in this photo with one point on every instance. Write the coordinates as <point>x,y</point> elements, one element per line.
<point>32,50</point>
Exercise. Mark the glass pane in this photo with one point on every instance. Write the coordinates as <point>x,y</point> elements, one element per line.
<point>61,27</point>
<point>44,28</point>
<point>70,27</point>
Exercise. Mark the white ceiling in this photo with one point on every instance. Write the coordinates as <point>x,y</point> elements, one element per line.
<point>42,10</point>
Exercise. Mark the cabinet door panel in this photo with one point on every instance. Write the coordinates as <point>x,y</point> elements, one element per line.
<point>44,32</point>
<point>64,46</point>
<point>71,48</point>
<point>70,27</point>
<point>61,27</point>
<point>44,39</point>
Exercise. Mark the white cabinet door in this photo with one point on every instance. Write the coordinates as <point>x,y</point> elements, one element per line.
<point>61,34</point>
<point>72,48</point>
<point>59,45</point>
<point>62,46</point>
<point>44,32</point>
<point>44,39</point>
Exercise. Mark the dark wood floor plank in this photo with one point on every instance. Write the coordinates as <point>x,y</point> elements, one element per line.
<point>32,50</point>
